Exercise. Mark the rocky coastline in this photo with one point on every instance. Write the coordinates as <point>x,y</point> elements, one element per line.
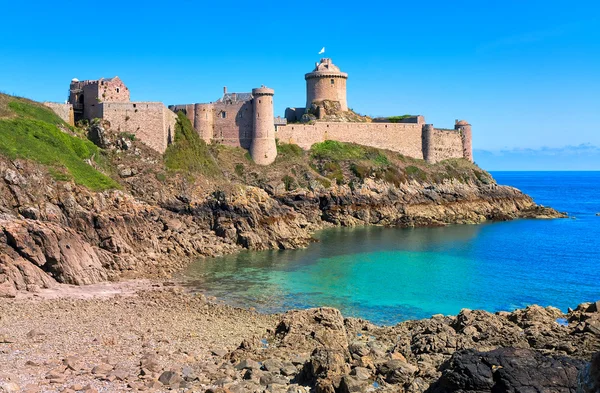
<point>160,339</point>
<point>70,319</point>
<point>56,232</point>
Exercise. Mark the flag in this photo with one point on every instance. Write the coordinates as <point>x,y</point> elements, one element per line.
<point>322,51</point>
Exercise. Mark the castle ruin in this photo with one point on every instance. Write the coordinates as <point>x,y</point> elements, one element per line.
<point>109,100</point>
<point>246,120</point>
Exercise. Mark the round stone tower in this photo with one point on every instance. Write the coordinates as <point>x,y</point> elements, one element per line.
<point>326,82</point>
<point>464,128</point>
<point>204,121</point>
<point>427,142</point>
<point>263,149</point>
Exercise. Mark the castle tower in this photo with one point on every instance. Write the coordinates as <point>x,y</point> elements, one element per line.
<point>204,121</point>
<point>427,142</point>
<point>464,128</point>
<point>326,82</point>
<point>263,149</point>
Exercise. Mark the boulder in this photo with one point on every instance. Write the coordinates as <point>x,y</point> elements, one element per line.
<point>306,330</point>
<point>507,370</point>
<point>588,380</point>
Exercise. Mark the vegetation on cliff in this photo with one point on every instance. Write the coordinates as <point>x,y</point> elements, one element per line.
<point>32,131</point>
<point>189,153</point>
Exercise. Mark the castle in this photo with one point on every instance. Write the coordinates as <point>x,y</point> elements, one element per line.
<point>246,119</point>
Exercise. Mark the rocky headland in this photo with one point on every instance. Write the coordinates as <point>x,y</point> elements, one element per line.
<point>77,213</point>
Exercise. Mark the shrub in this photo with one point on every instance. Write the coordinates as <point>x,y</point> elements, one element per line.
<point>239,169</point>
<point>360,171</point>
<point>416,173</point>
<point>289,149</point>
<point>289,182</point>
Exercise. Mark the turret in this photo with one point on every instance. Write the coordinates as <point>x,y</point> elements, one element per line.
<point>204,121</point>
<point>427,142</point>
<point>326,82</point>
<point>464,128</point>
<point>263,149</point>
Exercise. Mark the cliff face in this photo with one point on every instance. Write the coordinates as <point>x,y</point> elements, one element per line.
<point>53,231</point>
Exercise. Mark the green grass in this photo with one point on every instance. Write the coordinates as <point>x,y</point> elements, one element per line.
<point>339,151</point>
<point>28,110</point>
<point>398,119</point>
<point>189,154</point>
<point>43,142</point>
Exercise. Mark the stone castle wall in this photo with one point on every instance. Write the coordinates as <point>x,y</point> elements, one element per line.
<point>64,111</point>
<point>446,144</point>
<point>404,138</point>
<point>151,122</point>
<point>233,122</point>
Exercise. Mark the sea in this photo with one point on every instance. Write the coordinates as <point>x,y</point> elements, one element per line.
<point>389,275</point>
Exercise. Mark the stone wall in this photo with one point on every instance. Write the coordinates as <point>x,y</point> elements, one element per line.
<point>404,138</point>
<point>151,122</point>
<point>113,90</point>
<point>64,111</point>
<point>400,137</point>
<point>446,144</point>
<point>233,123</point>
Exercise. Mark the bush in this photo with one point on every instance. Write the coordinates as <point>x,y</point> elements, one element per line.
<point>289,149</point>
<point>289,182</point>
<point>360,171</point>
<point>416,173</point>
<point>239,169</point>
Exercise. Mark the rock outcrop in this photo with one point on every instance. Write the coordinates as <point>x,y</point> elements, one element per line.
<point>475,351</point>
<point>59,232</point>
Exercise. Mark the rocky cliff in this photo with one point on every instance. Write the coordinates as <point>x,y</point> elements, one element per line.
<point>124,211</point>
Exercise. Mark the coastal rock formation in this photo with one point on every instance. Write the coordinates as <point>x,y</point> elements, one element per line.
<point>475,351</point>
<point>507,370</point>
<point>59,232</point>
<point>168,340</point>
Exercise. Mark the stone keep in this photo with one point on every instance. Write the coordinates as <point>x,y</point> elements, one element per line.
<point>326,82</point>
<point>263,149</point>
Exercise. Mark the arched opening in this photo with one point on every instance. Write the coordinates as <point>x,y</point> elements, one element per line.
<point>80,99</point>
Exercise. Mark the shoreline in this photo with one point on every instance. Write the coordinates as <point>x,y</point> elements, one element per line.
<point>147,335</point>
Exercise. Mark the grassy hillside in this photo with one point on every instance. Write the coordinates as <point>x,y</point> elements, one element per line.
<point>30,130</point>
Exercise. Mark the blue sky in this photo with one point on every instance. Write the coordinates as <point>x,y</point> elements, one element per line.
<point>526,74</point>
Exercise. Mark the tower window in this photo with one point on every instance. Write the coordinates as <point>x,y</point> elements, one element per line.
<point>333,81</point>
<point>119,90</point>
<point>224,115</point>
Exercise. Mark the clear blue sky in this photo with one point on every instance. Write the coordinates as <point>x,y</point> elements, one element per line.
<point>526,74</point>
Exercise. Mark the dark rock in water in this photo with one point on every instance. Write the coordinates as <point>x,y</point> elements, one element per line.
<point>588,380</point>
<point>507,370</point>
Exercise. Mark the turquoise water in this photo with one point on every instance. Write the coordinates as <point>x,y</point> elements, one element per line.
<point>389,275</point>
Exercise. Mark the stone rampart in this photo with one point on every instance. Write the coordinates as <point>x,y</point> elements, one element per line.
<point>446,144</point>
<point>400,137</point>
<point>151,122</point>
<point>64,111</point>
<point>404,138</point>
